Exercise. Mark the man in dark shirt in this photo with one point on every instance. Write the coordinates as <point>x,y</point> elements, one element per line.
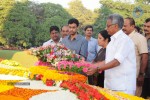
<point>75,41</point>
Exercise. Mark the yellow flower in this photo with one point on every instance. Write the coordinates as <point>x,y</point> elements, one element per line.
<point>10,63</point>
<point>60,75</point>
<point>19,71</point>
<point>130,97</point>
<point>5,88</point>
<point>38,69</point>
<point>31,76</point>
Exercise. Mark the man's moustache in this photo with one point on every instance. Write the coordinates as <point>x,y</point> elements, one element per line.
<point>145,30</point>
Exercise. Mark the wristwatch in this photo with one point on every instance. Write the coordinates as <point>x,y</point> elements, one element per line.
<point>98,68</point>
<point>141,74</point>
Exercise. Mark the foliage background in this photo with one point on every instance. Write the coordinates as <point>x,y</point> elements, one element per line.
<point>26,24</point>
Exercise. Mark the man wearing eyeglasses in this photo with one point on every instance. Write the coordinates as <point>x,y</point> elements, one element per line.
<point>120,62</point>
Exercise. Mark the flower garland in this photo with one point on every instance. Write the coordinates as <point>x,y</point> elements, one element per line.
<point>73,66</point>
<point>9,97</point>
<point>41,63</point>
<point>38,69</point>
<point>110,94</point>
<point>48,73</point>
<point>116,95</point>
<point>82,90</point>
<point>37,72</point>
<point>61,75</point>
<point>19,71</point>
<point>5,87</point>
<point>54,53</point>
<point>10,63</point>
<point>22,93</point>
<point>130,97</point>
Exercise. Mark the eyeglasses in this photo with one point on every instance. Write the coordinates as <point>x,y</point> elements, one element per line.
<point>109,25</point>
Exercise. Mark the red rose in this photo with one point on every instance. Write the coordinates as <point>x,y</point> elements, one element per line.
<point>49,82</point>
<point>40,76</point>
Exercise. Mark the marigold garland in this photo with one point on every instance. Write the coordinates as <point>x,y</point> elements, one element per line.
<point>111,95</point>
<point>7,84</point>
<point>5,87</point>
<point>61,75</point>
<point>10,97</point>
<point>49,73</point>
<point>130,97</point>
<point>10,63</point>
<point>5,69</point>
<point>37,70</point>
<point>23,92</point>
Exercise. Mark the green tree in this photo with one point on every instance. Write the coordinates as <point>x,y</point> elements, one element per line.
<point>26,24</point>
<point>100,23</point>
<point>3,14</point>
<point>139,10</point>
<point>85,16</point>
<point>49,14</point>
<point>18,23</point>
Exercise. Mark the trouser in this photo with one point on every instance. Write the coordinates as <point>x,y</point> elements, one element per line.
<point>91,80</point>
<point>146,88</point>
<point>100,80</point>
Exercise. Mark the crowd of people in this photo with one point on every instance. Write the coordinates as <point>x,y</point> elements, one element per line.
<point>120,56</point>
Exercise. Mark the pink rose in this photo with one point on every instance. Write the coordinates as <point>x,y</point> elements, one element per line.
<point>85,70</point>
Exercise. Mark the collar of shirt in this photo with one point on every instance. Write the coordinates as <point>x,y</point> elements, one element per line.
<point>90,39</point>
<point>76,38</point>
<point>132,33</point>
<point>115,36</point>
<point>51,41</point>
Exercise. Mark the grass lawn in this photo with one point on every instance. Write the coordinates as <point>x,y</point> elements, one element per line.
<point>22,57</point>
<point>7,54</point>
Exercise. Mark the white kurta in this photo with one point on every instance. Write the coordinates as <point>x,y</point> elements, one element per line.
<point>122,77</point>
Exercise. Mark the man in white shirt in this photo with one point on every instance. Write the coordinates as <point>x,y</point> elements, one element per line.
<point>54,35</point>
<point>120,62</point>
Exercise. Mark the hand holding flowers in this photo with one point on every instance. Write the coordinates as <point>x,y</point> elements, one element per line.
<point>95,67</point>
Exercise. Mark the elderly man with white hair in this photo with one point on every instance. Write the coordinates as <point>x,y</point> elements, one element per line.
<point>120,62</point>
